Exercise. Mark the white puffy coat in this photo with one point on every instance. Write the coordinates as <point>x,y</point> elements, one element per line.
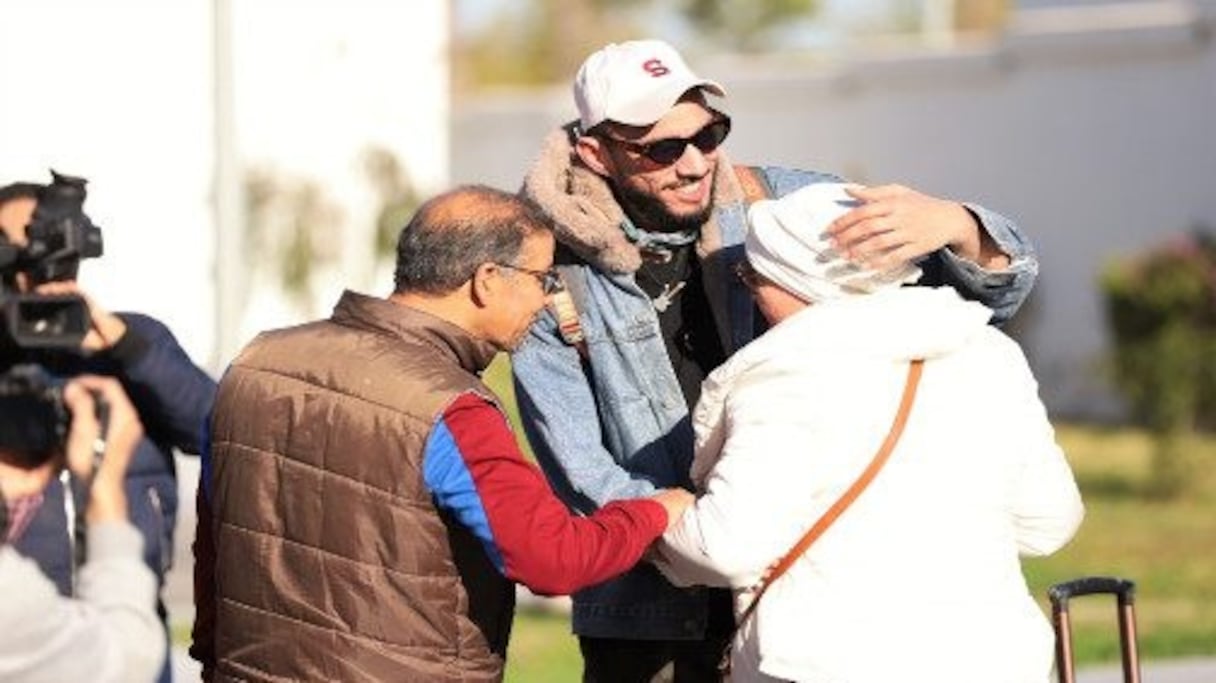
<point>920,579</point>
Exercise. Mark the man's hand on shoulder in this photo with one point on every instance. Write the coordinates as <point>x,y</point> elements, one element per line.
<point>897,224</point>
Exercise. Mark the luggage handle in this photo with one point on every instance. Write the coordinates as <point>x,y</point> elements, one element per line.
<point>1089,585</point>
<point>1125,591</point>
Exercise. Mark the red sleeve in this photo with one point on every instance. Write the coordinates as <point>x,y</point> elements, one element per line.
<point>542,544</point>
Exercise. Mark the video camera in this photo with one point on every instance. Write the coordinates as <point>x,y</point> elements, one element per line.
<point>58,237</point>
<point>33,419</point>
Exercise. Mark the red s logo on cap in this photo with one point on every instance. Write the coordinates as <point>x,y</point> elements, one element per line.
<point>655,67</point>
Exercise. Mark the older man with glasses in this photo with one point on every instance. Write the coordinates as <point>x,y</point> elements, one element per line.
<point>650,217</point>
<point>372,509</point>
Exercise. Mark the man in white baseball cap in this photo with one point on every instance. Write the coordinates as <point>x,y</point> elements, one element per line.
<point>650,218</point>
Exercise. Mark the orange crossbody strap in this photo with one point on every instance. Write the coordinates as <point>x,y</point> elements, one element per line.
<point>847,498</point>
<point>753,184</point>
<point>569,327</point>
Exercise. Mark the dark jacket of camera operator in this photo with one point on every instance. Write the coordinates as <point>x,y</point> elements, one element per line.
<point>48,228</point>
<point>172,397</point>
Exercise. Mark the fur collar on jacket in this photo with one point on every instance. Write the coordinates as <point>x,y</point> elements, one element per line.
<point>587,215</point>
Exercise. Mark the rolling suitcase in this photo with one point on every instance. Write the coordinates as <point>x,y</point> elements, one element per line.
<point>1125,592</point>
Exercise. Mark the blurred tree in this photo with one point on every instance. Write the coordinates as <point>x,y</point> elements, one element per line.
<point>540,41</point>
<point>544,41</point>
<point>981,15</point>
<point>294,225</point>
<point>398,198</point>
<point>1161,306</point>
<point>743,25</point>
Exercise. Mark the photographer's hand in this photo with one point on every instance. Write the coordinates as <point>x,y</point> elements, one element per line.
<point>106,498</point>
<point>105,328</point>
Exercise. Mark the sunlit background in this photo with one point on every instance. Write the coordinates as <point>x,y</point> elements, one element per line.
<point>248,159</point>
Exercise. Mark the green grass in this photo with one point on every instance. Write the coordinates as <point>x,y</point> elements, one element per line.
<point>1164,546</point>
<point>498,378</point>
<point>179,633</point>
<point>542,648</point>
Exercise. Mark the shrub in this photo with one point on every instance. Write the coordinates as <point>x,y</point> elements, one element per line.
<point>1161,307</point>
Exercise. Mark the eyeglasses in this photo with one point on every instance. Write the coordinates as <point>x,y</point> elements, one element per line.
<point>669,150</point>
<point>550,281</point>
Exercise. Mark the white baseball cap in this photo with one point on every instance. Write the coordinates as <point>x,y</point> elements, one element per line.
<point>634,83</point>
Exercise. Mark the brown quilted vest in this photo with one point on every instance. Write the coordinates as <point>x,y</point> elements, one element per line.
<point>332,563</point>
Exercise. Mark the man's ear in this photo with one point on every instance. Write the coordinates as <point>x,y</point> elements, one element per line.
<point>486,284</point>
<point>592,152</point>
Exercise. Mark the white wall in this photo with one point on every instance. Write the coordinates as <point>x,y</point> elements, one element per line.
<point>316,84</point>
<point>1092,127</point>
<point>123,93</point>
<point>118,92</point>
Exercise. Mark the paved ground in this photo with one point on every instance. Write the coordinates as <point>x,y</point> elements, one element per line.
<point>1199,670</point>
<point>181,610</point>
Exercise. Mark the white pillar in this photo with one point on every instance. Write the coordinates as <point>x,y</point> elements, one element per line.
<point>937,22</point>
<point>231,264</point>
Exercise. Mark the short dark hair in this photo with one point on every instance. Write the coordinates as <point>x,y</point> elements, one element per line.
<point>453,233</point>
<point>19,191</point>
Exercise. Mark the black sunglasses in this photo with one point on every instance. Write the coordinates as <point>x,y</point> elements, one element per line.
<point>550,281</point>
<point>668,150</point>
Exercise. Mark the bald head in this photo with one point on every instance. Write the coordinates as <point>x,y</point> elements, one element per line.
<point>455,232</point>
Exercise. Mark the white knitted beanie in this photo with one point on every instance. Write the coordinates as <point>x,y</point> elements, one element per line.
<point>787,243</point>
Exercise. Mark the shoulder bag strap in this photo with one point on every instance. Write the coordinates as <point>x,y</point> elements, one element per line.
<point>846,499</point>
<point>753,183</point>
<point>564,309</point>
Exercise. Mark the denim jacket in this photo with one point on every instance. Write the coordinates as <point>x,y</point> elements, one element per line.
<point>614,424</point>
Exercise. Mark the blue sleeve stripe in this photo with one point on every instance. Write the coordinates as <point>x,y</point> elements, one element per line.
<point>449,480</point>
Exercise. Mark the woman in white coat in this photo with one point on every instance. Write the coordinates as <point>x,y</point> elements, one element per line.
<point>919,580</point>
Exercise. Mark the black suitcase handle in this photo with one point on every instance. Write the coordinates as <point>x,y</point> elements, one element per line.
<point>1062,592</point>
<point>1125,592</point>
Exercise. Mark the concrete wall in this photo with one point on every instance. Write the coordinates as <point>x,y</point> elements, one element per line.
<point>1093,127</point>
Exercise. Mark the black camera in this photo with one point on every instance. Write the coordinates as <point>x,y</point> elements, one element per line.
<point>33,418</point>
<point>58,236</point>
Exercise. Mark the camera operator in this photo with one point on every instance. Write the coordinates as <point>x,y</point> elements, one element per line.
<point>171,395</point>
<point>110,632</point>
